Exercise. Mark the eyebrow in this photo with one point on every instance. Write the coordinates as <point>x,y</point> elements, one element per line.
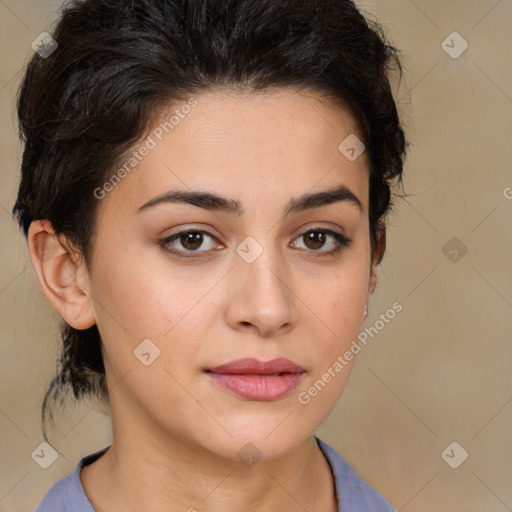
<point>210,201</point>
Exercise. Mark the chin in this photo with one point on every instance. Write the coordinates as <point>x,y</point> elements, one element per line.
<point>257,440</point>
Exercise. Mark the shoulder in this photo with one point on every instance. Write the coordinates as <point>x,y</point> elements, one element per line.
<point>354,494</point>
<point>68,495</point>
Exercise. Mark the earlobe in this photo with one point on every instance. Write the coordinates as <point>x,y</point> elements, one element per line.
<point>62,277</point>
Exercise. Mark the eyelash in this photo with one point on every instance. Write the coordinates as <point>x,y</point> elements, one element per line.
<point>342,242</point>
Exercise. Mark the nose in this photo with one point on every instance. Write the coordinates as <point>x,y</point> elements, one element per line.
<point>262,297</point>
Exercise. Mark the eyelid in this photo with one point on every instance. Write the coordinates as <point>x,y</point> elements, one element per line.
<point>175,236</point>
<point>342,241</point>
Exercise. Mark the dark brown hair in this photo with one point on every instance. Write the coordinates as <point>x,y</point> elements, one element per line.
<point>119,62</point>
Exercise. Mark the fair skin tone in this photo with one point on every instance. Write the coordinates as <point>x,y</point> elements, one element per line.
<point>176,434</point>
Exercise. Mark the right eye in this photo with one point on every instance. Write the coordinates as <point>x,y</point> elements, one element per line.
<point>190,239</point>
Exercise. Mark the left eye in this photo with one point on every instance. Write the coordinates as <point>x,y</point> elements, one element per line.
<point>317,238</point>
<point>192,240</point>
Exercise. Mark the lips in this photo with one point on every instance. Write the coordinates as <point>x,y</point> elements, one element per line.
<point>252,366</point>
<point>257,380</point>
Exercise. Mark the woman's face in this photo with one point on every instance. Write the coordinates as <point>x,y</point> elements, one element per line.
<point>262,280</point>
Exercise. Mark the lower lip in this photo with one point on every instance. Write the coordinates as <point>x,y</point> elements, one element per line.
<point>258,387</point>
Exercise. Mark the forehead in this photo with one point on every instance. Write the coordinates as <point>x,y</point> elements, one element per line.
<point>240,120</point>
<point>262,147</point>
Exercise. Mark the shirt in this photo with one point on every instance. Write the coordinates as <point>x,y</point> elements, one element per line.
<point>354,494</point>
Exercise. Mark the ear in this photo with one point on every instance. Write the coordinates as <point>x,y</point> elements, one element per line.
<point>62,275</point>
<point>378,254</point>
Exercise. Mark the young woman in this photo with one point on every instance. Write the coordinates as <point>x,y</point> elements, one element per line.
<point>204,190</point>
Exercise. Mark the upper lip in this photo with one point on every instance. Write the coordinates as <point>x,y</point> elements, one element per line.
<point>253,366</point>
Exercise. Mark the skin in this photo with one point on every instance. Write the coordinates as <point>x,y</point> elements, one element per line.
<point>176,434</point>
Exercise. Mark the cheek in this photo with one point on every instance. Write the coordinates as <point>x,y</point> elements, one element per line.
<point>337,307</point>
<point>339,310</point>
<point>344,296</point>
<point>134,302</point>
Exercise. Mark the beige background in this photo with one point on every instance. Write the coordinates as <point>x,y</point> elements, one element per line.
<point>439,372</point>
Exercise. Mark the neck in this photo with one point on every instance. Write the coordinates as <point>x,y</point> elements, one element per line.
<point>177,476</point>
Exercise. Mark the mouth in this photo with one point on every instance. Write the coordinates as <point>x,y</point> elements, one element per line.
<point>257,380</point>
